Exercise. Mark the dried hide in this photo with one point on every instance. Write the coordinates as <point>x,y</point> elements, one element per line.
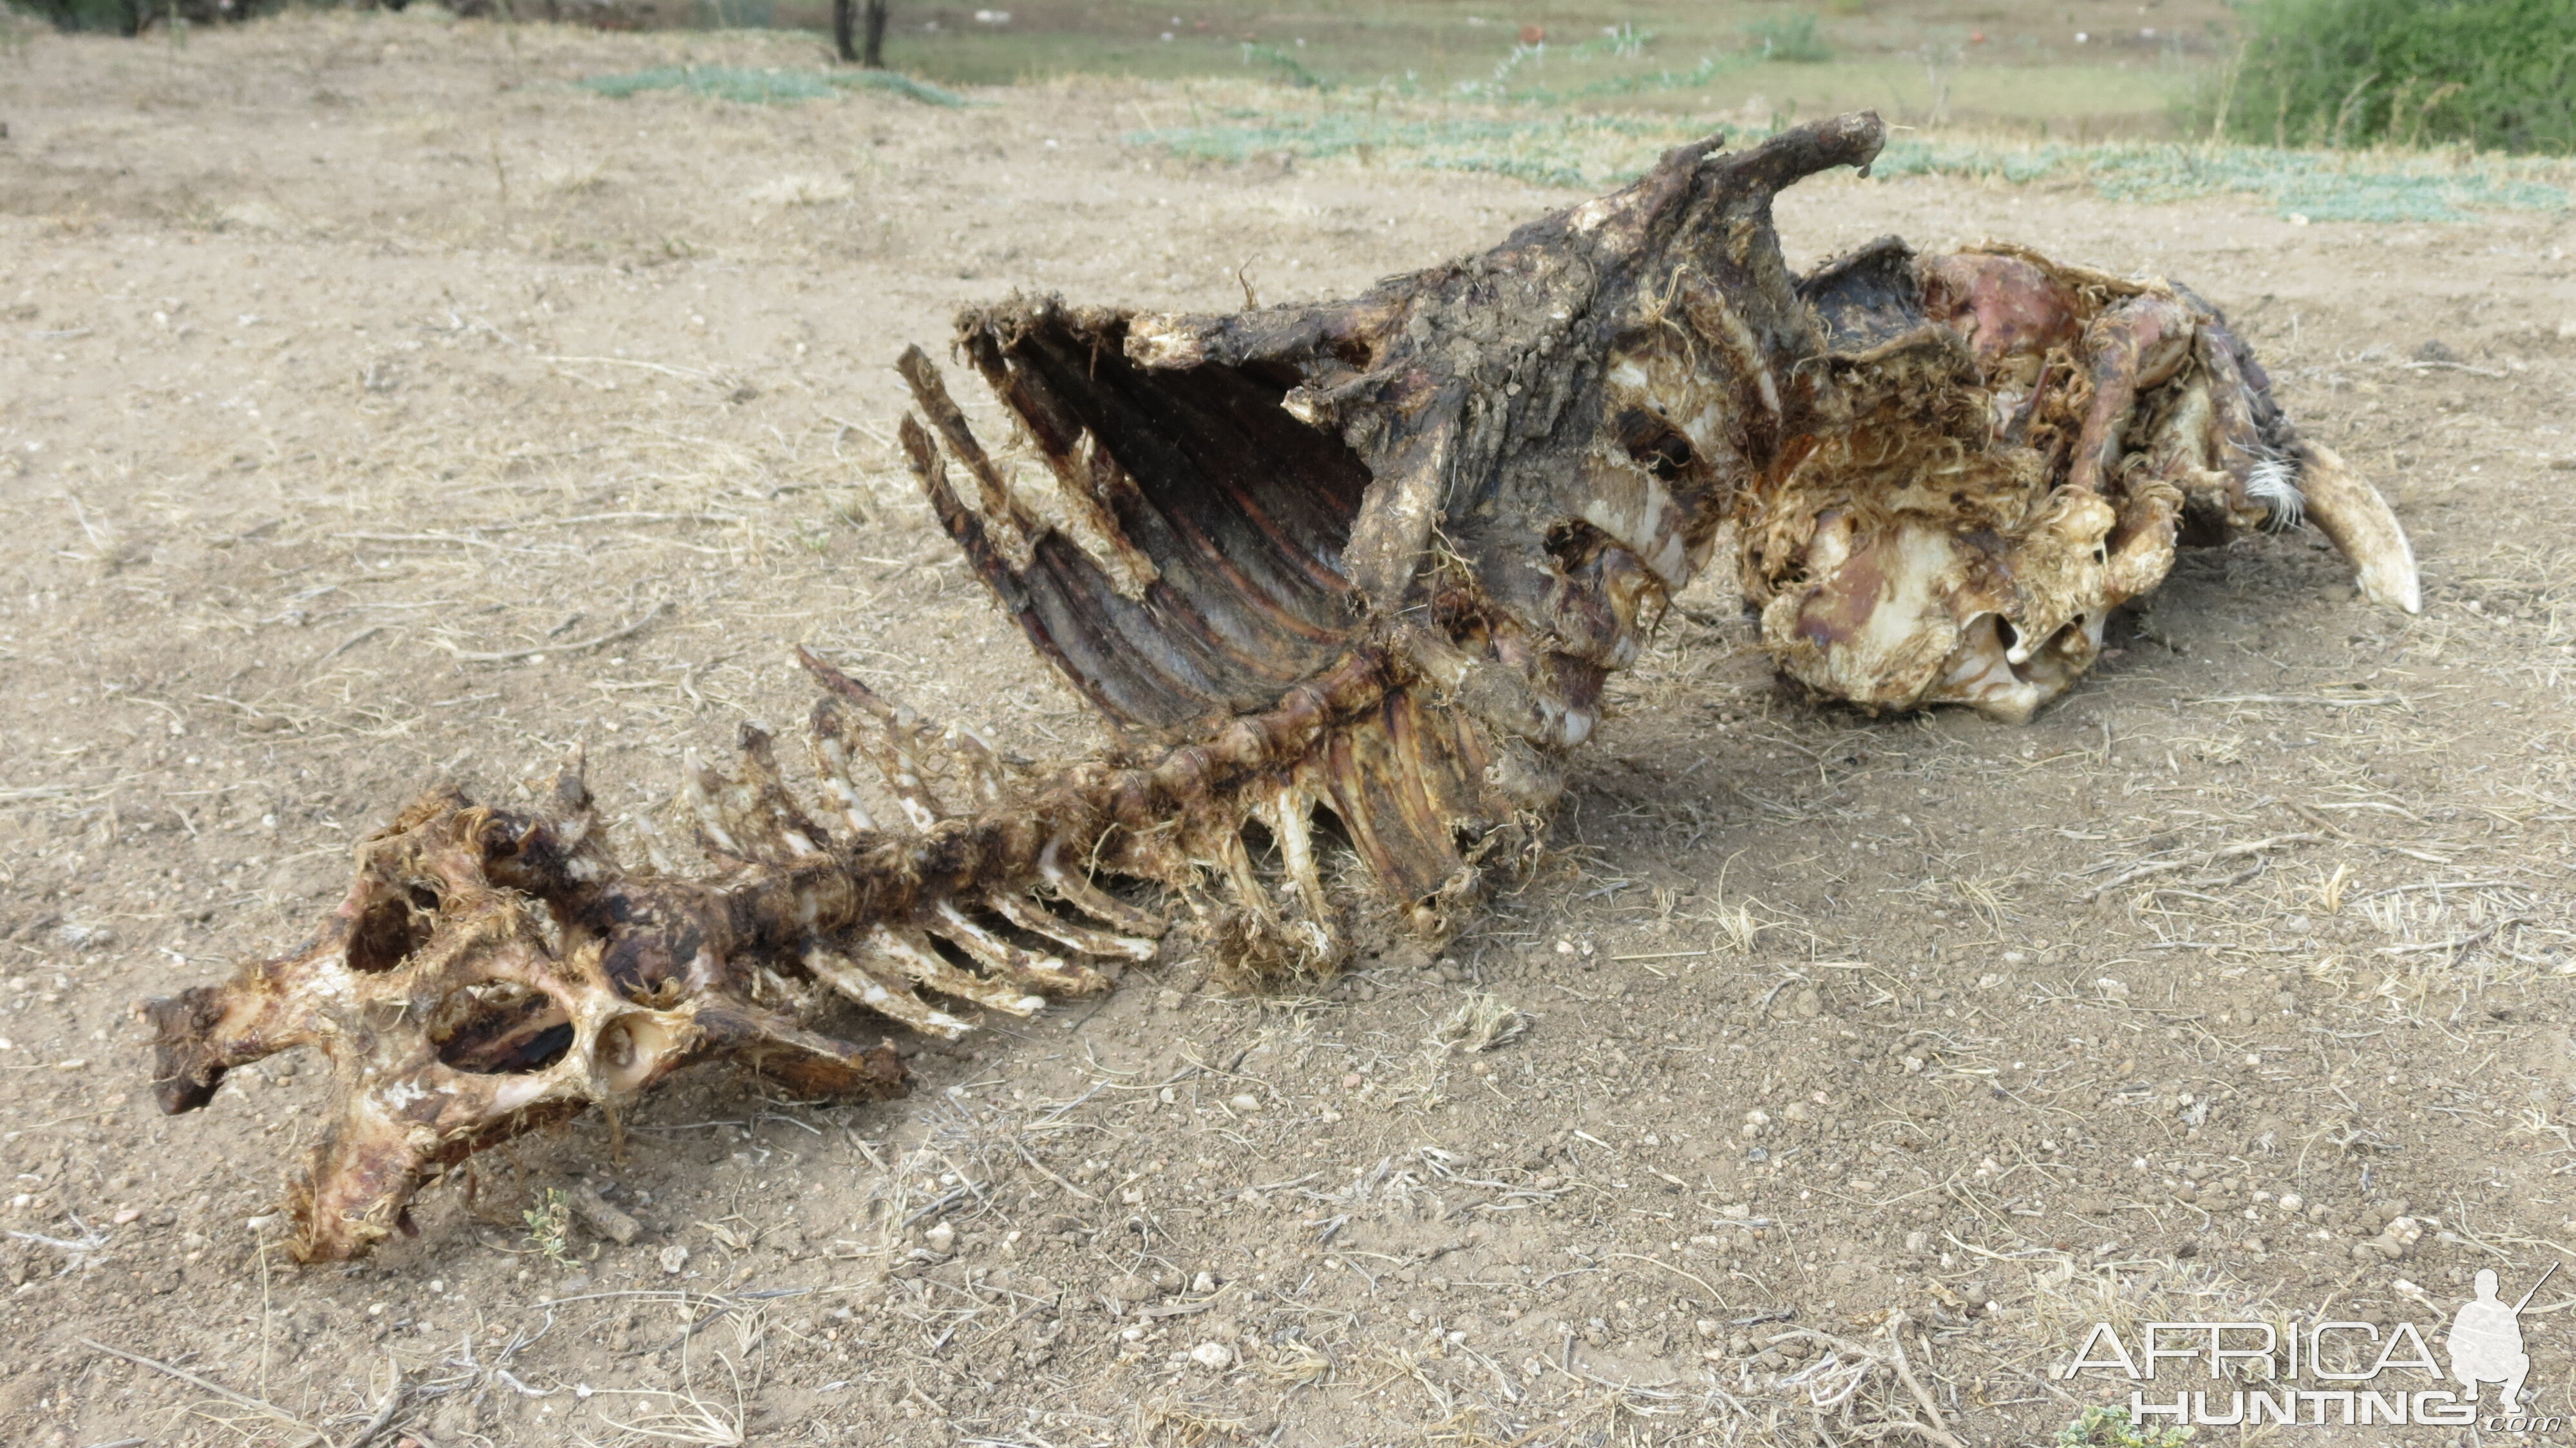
<point>2020,445</point>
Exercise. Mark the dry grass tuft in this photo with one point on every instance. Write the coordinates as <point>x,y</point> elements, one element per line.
<point>801,190</point>
<point>1482,1022</point>
<point>1166,1423</point>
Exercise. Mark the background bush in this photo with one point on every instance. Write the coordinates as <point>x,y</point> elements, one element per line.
<point>2500,74</point>
<point>130,17</point>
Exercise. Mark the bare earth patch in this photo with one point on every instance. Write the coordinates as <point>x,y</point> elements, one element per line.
<point>377,408</point>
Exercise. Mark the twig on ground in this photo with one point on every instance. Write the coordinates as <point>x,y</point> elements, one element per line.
<point>662,367</point>
<point>218,1389</point>
<point>2322,701</point>
<point>2159,867</point>
<point>509,656</point>
<point>2459,943</point>
<point>394,1400</point>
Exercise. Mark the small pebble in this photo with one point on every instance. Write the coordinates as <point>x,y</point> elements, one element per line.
<point>1245,1101</point>
<point>1203,1284</point>
<point>941,1238</point>
<point>672,1259</point>
<point>1216,1357</point>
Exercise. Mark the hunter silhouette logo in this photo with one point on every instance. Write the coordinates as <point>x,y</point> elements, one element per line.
<point>2342,1373</point>
<point>2486,1340</point>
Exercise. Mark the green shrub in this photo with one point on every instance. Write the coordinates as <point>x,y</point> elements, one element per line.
<point>2499,74</point>
<point>1284,68</point>
<point>1788,37</point>
<point>129,17</point>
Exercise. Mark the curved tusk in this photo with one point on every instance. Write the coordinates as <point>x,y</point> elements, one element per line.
<point>2350,512</point>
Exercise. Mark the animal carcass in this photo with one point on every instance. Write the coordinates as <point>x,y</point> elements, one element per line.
<point>1346,576</point>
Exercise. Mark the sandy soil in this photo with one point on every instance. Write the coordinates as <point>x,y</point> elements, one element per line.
<point>341,348</point>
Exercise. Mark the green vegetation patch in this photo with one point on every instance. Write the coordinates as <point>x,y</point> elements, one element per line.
<point>1573,150</point>
<point>768,87</point>
<point>1790,37</point>
<point>895,82</point>
<point>2111,1428</point>
<point>2319,185</point>
<point>1588,151</point>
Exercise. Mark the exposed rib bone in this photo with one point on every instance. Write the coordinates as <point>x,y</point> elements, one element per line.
<point>1009,519</point>
<point>974,760</point>
<point>758,805</point>
<point>656,852</point>
<point>1038,971</point>
<point>1093,901</point>
<point>887,997</point>
<point>900,764</point>
<point>694,775</point>
<point>912,953</point>
<point>1029,916</point>
<point>832,768</point>
<point>895,751</point>
<point>1234,858</point>
<point>1288,817</point>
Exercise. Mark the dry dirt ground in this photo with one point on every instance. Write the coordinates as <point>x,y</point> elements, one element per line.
<point>343,349</point>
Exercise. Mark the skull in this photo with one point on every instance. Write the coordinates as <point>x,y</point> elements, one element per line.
<point>486,974</point>
<point>2022,445</point>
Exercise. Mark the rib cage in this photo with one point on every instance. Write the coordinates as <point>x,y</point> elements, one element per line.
<point>1194,581</point>
<point>1222,520</point>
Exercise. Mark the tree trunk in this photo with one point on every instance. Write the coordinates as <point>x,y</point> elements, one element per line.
<point>841,38</point>
<point>874,58</point>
